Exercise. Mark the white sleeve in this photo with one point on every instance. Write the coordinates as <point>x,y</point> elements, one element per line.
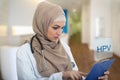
<point>26,73</point>
<point>26,69</point>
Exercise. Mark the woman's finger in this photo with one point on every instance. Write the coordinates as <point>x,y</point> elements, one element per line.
<point>82,73</point>
<point>105,77</point>
<point>107,72</point>
<point>76,75</point>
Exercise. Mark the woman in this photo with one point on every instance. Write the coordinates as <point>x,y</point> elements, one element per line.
<point>46,57</point>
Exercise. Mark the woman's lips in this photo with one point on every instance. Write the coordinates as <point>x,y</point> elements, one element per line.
<point>56,37</point>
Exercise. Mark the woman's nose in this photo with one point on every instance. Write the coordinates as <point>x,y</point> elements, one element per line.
<point>59,32</point>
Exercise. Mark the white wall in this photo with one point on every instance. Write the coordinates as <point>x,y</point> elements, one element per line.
<point>100,9</point>
<point>109,11</point>
<point>16,13</point>
<point>116,26</point>
<point>3,17</point>
<point>85,21</point>
<point>3,12</point>
<point>21,12</point>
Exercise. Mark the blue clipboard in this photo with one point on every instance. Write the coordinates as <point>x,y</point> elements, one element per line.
<point>99,68</point>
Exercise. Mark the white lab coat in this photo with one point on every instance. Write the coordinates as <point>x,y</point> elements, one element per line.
<point>26,64</point>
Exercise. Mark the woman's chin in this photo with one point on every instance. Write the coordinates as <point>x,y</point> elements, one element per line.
<point>56,40</point>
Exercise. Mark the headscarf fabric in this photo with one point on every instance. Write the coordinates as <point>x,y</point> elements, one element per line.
<point>53,58</point>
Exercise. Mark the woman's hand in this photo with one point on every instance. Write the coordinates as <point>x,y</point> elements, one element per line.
<point>73,75</point>
<point>105,77</point>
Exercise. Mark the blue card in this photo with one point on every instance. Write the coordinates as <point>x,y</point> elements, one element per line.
<point>99,68</point>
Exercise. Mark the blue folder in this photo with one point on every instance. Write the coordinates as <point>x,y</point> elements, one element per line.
<point>99,68</point>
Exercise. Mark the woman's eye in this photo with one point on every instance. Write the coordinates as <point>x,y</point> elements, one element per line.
<point>55,28</point>
<point>62,27</point>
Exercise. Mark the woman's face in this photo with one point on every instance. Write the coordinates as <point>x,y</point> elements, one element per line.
<point>55,30</point>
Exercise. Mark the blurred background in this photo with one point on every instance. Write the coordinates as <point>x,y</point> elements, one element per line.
<point>86,20</point>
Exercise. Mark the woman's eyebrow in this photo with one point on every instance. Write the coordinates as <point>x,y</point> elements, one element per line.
<point>57,25</point>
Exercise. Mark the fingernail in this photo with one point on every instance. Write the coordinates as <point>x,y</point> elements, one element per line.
<point>99,77</point>
<point>102,77</point>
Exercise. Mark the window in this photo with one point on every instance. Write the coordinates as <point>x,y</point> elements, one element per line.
<point>3,30</point>
<point>22,30</point>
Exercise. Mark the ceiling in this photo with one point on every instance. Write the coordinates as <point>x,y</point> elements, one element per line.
<point>71,5</point>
